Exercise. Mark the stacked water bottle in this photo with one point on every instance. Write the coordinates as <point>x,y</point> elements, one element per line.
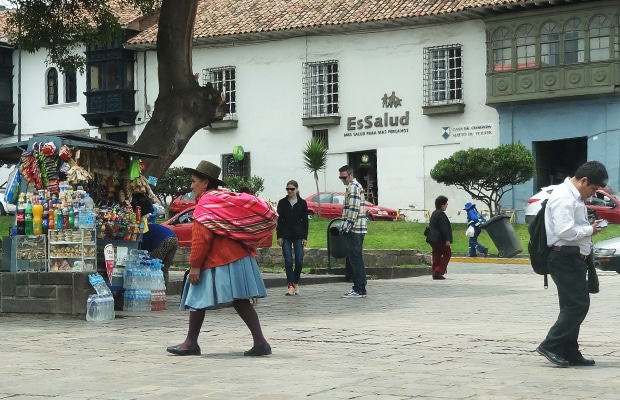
<point>100,306</point>
<point>143,281</point>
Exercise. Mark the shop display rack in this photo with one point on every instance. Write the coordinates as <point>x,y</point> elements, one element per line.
<point>72,250</point>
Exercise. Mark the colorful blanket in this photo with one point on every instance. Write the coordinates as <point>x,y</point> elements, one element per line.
<point>240,216</point>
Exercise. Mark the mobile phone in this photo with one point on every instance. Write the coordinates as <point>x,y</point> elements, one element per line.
<point>602,224</point>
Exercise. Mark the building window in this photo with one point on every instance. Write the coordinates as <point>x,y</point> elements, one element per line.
<point>526,46</point>
<point>502,50</point>
<point>232,167</point>
<point>70,87</point>
<point>573,41</point>
<point>120,137</point>
<point>52,86</point>
<point>111,75</point>
<point>224,79</point>
<point>321,135</point>
<point>549,45</point>
<point>320,83</point>
<point>599,38</point>
<point>443,75</point>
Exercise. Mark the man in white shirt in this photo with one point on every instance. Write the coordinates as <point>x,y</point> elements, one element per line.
<point>569,234</point>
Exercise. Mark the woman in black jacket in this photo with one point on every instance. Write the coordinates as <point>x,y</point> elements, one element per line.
<point>292,232</point>
<point>440,237</point>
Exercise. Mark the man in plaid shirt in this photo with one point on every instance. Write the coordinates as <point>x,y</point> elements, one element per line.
<point>353,229</point>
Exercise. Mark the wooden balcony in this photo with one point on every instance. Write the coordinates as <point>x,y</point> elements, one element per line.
<point>110,107</point>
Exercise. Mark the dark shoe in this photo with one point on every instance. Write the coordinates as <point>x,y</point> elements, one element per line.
<point>486,253</point>
<point>552,357</point>
<point>438,277</point>
<point>255,351</point>
<point>194,351</point>
<point>581,362</point>
<point>473,255</point>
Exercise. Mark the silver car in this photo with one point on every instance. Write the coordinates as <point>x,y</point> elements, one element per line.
<point>607,255</point>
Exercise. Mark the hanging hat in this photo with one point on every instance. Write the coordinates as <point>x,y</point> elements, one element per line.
<point>208,170</point>
<point>468,206</point>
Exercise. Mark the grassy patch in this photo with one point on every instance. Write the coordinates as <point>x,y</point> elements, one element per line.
<point>397,235</point>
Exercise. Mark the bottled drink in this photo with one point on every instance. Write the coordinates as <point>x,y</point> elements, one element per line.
<point>20,218</point>
<point>89,203</point>
<point>65,217</point>
<point>28,219</point>
<point>76,218</point>
<point>51,221</point>
<point>58,214</point>
<point>37,218</point>
<point>71,218</point>
<point>92,308</point>
<point>46,223</point>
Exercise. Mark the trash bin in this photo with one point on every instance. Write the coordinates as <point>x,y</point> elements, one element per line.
<point>336,246</point>
<point>503,235</point>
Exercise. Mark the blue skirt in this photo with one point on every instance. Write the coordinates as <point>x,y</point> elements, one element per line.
<point>221,285</point>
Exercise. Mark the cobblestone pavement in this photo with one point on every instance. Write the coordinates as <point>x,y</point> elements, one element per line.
<point>471,336</point>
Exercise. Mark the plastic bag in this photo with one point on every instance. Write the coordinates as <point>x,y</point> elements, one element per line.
<point>470,232</point>
<point>11,195</point>
<point>134,170</point>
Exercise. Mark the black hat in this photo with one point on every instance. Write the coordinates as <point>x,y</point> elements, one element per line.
<point>207,170</point>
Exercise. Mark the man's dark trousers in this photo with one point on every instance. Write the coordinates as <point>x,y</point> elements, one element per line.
<point>569,274</point>
<point>354,242</point>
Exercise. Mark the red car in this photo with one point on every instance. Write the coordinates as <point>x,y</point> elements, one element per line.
<point>606,204</point>
<point>182,202</point>
<point>181,225</point>
<point>332,203</point>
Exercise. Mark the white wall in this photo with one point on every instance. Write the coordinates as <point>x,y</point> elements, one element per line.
<point>269,109</point>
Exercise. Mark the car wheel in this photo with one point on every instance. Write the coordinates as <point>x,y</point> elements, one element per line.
<point>2,210</point>
<point>310,215</point>
<point>369,216</point>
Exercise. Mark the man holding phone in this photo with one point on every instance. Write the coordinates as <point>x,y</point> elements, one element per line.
<point>569,234</point>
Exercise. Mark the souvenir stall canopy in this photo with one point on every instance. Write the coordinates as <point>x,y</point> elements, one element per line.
<point>72,194</point>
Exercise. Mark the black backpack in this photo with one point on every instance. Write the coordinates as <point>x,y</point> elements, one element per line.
<point>537,246</point>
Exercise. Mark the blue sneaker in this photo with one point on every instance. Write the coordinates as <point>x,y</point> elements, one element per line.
<point>353,295</point>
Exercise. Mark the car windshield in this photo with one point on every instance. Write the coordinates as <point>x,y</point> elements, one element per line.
<point>186,217</point>
<point>188,196</point>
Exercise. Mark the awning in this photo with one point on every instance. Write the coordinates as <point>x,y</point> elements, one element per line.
<point>11,153</point>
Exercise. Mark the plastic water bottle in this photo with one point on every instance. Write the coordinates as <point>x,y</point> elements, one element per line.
<point>92,308</point>
<point>128,300</point>
<point>108,313</point>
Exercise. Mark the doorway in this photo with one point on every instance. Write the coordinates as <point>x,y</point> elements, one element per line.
<point>364,165</point>
<point>558,159</point>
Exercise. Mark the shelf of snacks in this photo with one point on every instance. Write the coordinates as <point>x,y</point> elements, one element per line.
<point>72,250</point>
<point>30,253</point>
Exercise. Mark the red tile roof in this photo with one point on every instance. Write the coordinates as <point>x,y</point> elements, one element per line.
<point>225,17</point>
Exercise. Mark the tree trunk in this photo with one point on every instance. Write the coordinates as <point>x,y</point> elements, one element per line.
<point>182,106</point>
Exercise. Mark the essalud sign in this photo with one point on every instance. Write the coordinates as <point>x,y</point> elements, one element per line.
<point>384,121</point>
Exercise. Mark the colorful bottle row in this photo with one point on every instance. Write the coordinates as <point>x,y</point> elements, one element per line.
<point>36,214</point>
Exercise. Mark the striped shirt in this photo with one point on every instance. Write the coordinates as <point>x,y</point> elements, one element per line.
<point>354,210</point>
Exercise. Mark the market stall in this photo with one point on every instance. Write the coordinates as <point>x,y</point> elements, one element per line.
<point>72,194</point>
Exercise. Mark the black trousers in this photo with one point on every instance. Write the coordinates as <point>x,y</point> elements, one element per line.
<point>569,274</point>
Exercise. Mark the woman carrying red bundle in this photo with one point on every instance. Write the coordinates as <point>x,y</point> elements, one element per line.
<point>223,269</point>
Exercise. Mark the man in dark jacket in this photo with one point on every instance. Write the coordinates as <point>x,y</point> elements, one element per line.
<point>440,238</point>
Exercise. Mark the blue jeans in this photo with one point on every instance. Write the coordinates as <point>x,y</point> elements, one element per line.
<point>355,260</point>
<point>287,252</point>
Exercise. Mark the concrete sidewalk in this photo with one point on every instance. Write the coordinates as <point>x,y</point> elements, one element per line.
<point>471,336</point>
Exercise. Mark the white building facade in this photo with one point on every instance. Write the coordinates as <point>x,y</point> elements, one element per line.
<point>389,101</point>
